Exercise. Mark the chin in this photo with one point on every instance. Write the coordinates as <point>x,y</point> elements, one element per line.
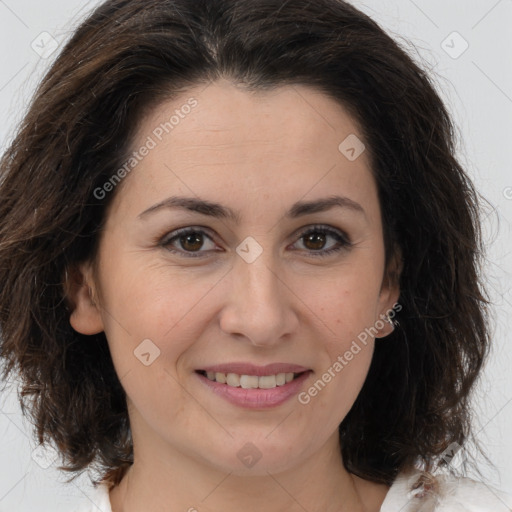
<point>258,458</point>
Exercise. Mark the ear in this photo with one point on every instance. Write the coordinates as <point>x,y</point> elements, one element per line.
<point>80,292</point>
<point>389,293</point>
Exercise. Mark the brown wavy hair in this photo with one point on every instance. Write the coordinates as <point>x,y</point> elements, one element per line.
<point>122,61</point>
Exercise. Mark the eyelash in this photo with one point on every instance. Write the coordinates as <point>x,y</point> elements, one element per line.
<point>341,238</point>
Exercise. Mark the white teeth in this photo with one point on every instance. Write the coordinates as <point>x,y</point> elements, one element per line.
<point>232,379</point>
<point>251,381</point>
<point>267,381</point>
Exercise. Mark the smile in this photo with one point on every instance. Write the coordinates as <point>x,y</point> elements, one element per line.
<point>254,387</point>
<point>251,381</point>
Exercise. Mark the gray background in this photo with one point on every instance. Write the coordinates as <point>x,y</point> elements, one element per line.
<point>477,86</point>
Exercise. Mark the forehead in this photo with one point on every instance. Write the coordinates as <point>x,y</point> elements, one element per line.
<point>221,139</point>
<point>297,117</point>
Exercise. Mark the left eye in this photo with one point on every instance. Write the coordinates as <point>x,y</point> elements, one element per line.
<point>317,236</point>
<point>192,240</point>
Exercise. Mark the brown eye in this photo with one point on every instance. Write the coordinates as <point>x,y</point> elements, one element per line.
<point>188,242</point>
<point>192,242</point>
<point>317,238</point>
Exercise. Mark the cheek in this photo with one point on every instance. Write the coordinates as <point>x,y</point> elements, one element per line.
<point>345,308</point>
<point>335,387</point>
<point>349,347</point>
<point>151,319</point>
<point>337,383</point>
<point>150,295</point>
<point>150,309</point>
<point>344,302</point>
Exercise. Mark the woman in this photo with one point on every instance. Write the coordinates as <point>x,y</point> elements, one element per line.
<point>246,271</point>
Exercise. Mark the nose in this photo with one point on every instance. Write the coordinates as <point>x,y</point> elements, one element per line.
<point>259,307</point>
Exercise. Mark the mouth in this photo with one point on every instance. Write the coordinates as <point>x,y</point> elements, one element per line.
<point>246,381</point>
<point>254,387</point>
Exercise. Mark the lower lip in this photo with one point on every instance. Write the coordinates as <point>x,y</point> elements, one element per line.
<point>256,398</point>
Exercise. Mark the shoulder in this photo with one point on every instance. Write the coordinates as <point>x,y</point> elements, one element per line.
<point>99,500</point>
<point>420,492</point>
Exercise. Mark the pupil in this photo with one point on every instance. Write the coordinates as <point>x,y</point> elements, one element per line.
<point>318,240</point>
<point>192,238</point>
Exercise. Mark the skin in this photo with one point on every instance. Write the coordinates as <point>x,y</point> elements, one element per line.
<point>257,153</point>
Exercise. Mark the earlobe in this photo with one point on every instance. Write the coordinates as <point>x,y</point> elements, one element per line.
<point>85,316</point>
<point>390,293</point>
<point>386,324</point>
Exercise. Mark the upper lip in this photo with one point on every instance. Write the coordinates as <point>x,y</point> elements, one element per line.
<point>251,369</point>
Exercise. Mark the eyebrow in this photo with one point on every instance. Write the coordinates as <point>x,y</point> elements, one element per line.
<point>219,211</point>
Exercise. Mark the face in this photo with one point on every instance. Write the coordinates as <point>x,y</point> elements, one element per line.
<point>269,272</point>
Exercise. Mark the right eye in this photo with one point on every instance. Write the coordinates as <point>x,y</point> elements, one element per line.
<point>191,241</point>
